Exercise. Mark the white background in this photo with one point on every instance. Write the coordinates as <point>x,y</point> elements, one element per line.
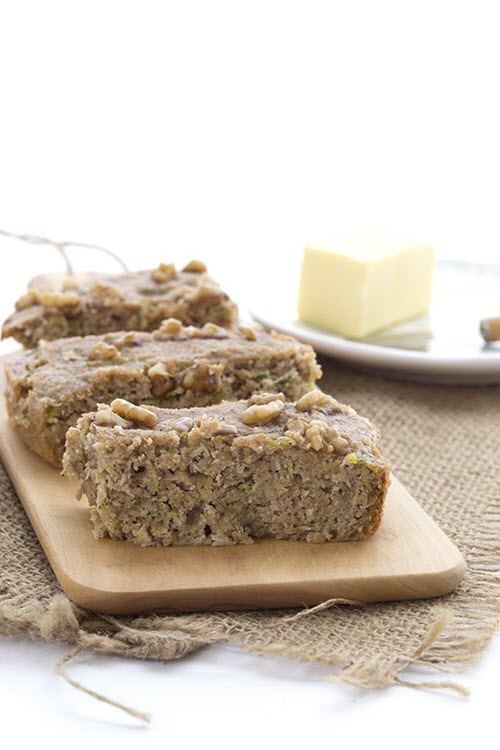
<point>233,132</point>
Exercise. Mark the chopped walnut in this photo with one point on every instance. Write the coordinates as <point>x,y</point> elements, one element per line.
<point>163,273</point>
<point>27,300</point>
<point>201,378</point>
<point>107,418</point>
<point>208,425</point>
<point>69,356</point>
<point>295,429</point>
<point>317,400</point>
<point>248,333</point>
<point>265,398</point>
<point>314,434</point>
<point>208,331</point>
<point>213,331</point>
<point>161,380</point>
<point>203,293</point>
<point>107,292</point>
<point>129,338</point>
<point>57,299</point>
<point>262,413</point>
<point>319,435</point>
<point>102,350</point>
<point>211,426</point>
<point>340,444</point>
<point>195,266</point>
<point>138,414</point>
<point>171,327</point>
<point>295,424</point>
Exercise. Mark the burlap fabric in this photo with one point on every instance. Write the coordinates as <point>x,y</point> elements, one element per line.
<point>443,443</point>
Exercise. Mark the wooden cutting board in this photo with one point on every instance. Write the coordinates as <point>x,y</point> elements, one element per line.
<point>408,558</point>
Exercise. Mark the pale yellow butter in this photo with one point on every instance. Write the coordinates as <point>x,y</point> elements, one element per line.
<point>363,283</point>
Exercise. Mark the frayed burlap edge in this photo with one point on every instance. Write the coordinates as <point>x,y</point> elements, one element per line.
<point>455,639</point>
<point>431,455</point>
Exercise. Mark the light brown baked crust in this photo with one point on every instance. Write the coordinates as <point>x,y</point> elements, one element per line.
<point>49,387</point>
<point>139,301</point>
<point>230,473</point>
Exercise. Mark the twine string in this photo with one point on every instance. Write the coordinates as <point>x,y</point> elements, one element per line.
<point>62,247</point>
<point>61,671</point>
<point>321,607</point>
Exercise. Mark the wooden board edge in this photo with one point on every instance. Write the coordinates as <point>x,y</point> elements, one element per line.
<point>270,595</point>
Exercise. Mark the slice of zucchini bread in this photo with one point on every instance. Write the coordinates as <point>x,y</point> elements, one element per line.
<point>98,303</point>
<point>49,387</point>
<point>230,473</point>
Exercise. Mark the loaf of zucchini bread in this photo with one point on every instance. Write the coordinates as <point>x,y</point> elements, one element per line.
<point>230,473</point>
<point>97,303</point>
<point>50,386</point>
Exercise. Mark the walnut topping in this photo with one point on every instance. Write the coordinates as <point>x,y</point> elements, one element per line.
<point>262,413</point>
<point>213,331</point>
<point>203,293</point>
<point>130,338</point>
<point>265,398</point>
<point>208,331</point>
<point>161,380</point>
<point>202,378</point>
<point>102,350</point>
<point>106,418</point>
<point>340,444</point>
<point>248,333</point>
<point>69,356</point>
<point>295,430</point>
<point>295,424</point>
<point>195,266</point>
<point>57,299</point>
<point>314,434</point>
<point>27,300</point>
<point>317,400</point>
<point>171,325</point>
<point>163,273</point>
<point>170,328</point>
<point>138,414</point>
<point>107,292</point>
<point>319,435</point>
<point>208,425</point>
<point>211,426</point>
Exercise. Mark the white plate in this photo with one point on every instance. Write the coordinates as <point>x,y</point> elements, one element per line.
<point>446,347</point>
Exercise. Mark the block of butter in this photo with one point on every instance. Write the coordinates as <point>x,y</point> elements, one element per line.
<point>362,283</point>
